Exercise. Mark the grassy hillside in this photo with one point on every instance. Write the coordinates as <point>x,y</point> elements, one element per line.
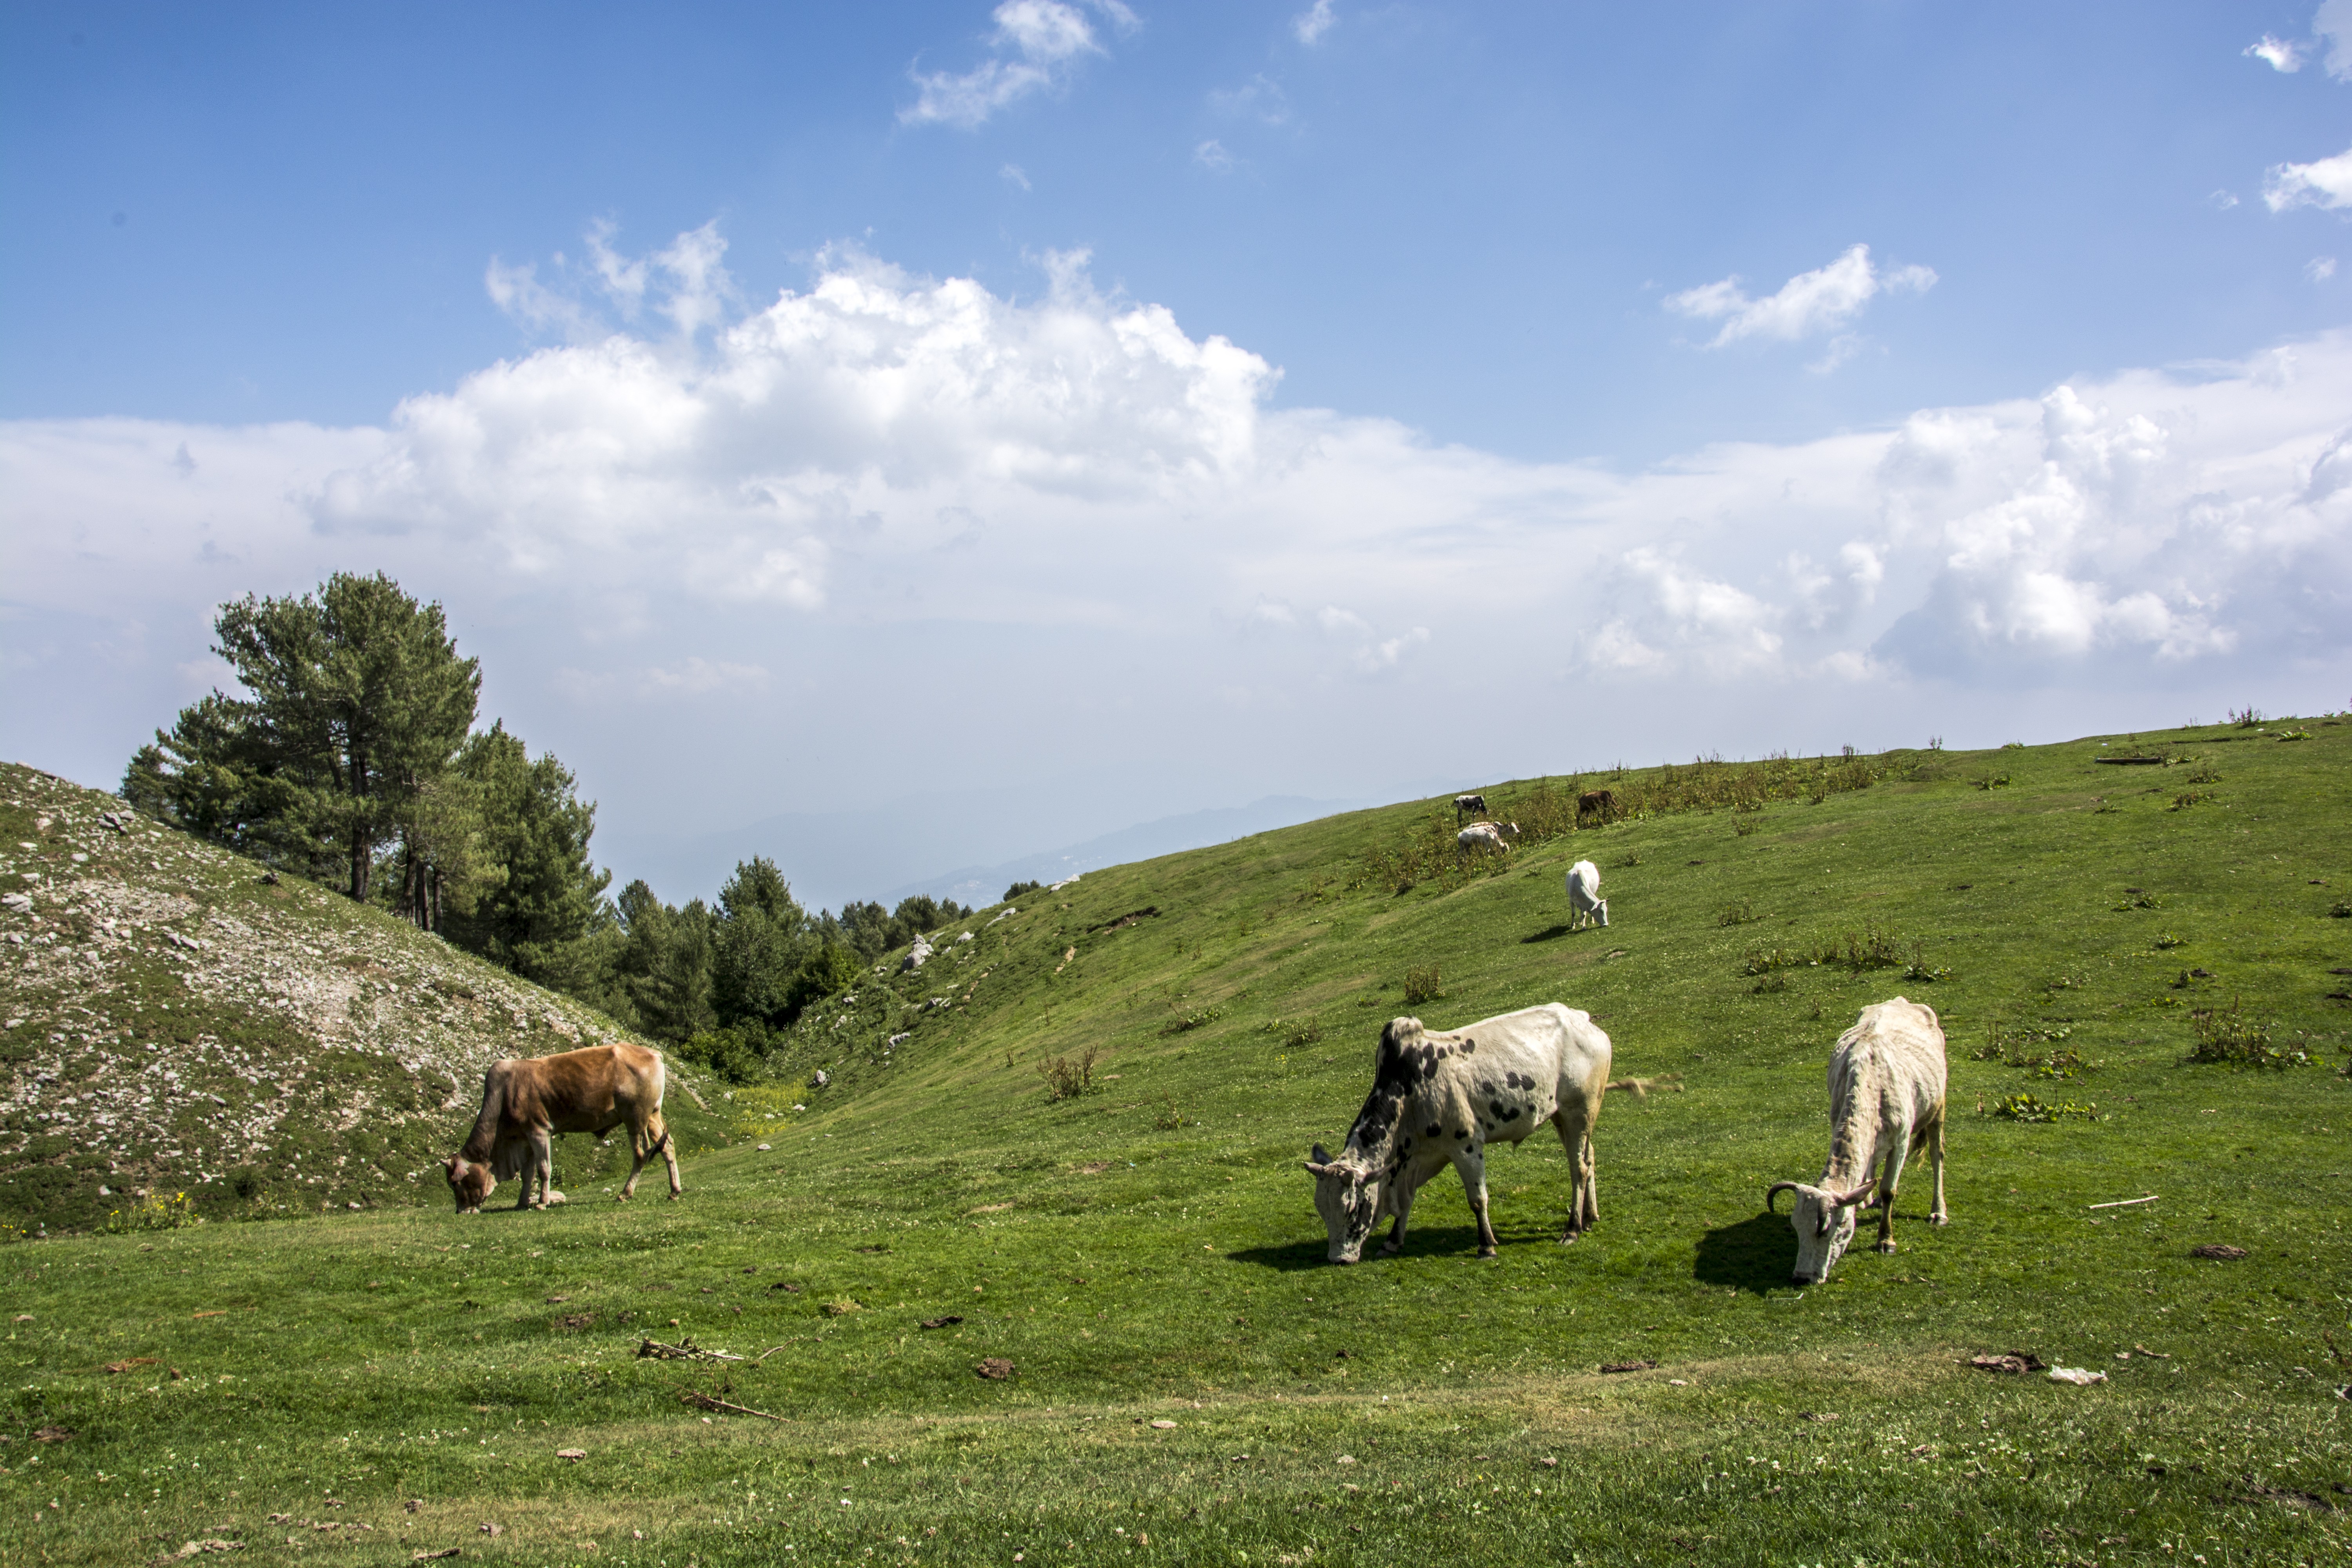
<point>172,1024</point>
<point>1191,1384</point>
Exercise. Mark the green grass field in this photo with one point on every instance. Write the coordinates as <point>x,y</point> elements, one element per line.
<point>1191,1384</point>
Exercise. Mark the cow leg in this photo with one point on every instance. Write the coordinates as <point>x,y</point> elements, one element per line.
<point>669,1157</point>
<point>1472,1163</point>
<point>1404,1191</point>
<point>1896,1158</point>
<point>641,1148</point>
<point>541,1164</point>
<point>1939,1215</point>
<point>1576,1141</point>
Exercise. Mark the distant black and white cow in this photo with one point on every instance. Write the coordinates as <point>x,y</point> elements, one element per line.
<point>1886,1095</point>
<point>1440,1098</point>
<point>1584,900</point>
<point>1468,806</point>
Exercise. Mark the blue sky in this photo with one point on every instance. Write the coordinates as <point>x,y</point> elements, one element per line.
<point>1159,408</point>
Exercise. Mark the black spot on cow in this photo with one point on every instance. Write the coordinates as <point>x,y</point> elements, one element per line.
<point>1435,1129</point>
<point>1469,1046</point>
<point>1501,1112</point>
<point>1462,1133</point>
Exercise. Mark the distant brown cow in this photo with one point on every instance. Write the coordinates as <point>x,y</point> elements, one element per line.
<point>527,1101</point>
<point>1595,806</point>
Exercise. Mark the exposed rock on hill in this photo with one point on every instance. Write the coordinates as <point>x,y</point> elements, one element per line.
<point>174,1020</point>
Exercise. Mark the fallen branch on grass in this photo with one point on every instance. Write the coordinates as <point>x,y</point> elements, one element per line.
<point>2125,1203</point>
<point>685,1350</point>
<point>704,1402</point>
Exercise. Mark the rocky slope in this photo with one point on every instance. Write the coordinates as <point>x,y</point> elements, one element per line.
<point>171,1022</point>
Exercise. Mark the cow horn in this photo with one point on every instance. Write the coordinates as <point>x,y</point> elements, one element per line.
<point>1775,1190</point>
<point>1856,1197</point>
<point>1316,1169</point>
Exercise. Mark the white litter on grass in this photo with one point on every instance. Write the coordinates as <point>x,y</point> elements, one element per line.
<point>762,1147</point>
<point>2076,1375</point>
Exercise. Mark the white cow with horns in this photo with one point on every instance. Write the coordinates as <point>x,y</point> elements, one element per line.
<point>1439,1098</point>
<point>1887,1093</point>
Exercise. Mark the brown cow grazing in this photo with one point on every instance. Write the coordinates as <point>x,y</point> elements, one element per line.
<point>1596,805</point>
<point>526,1102</point>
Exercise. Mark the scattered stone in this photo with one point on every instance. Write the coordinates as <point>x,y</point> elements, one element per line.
<point>995,1368</point>
<point>1627,1365</point>
<point>2220,1250</point>
<point>52,1433</point>
<point>571,1453</point>
<point>949,1322</point>
<point>2017,1362</point>
<point>2076,1375</point>
<point>493,1530</point>
<point>1170,1426</point>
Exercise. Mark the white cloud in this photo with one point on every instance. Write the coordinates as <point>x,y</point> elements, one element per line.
<point>1260,99</point>
<point>2276,53</point>
<point>1212,154</point>
<point>2319,269</point>
<point>1823,300</point>
<point>2333,23</point>
<point>1066,510</point>
<point>1310,25</point>
<point>1013,174</point>
<point>2324,182</point>
<point>1038,43</point>
<point>2223,200</point>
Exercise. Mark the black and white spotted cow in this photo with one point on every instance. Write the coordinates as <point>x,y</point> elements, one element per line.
<point>1468,806</point>
<point>1440,1098</point>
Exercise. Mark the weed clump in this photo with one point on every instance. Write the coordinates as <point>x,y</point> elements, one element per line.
<point>2135,899</point>
<point>155,1214</point>
<point>2340,910</point>
<point>2188,798</point>
<point>2027,1108</point>
<point>1991,781</point>
<point>1067,1080</point>
<point>2231,1038</point>
<point>1738,914</point>
<point>1191,1021</point>
<point>1423,985</point>
<point>1168,1119</point>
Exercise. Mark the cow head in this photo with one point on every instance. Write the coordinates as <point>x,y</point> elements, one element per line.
<point>1823,1221</point>
<point>1348,1196</point>
<point>470,1183</point>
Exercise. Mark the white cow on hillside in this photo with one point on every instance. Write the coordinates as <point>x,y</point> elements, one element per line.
<point>1584,900</point>
<point>1496,836</point>
<point>1440,1098</point>
<point>1886,1092</point>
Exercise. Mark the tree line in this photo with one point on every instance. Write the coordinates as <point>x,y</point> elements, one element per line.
<point>351,756</point>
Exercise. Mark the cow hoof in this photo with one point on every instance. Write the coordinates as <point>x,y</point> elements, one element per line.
<point>1487,1252</point>
<point>1885,1247</point>
<point>1939,1219</point>
<point>1569,1239</point>
<point>1390,1249</point>
<point>675,1197</point>
<point>557,1198</point>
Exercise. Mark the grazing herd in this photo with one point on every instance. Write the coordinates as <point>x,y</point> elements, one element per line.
<point>1438,1098</point>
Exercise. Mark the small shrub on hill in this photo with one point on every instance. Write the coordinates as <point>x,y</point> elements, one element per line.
<point>2135,899</point>
<point>1738,914</point>
<point>2229,1037</point>
<point>1067,1080</point>
<point>1423,985</point>
<point>1991,781</point>
<point>1191,1021</point>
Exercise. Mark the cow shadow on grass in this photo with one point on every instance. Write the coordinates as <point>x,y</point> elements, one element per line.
<point>1435,1241</point>
<point>1758,1254</point>
<point>1545,935</point>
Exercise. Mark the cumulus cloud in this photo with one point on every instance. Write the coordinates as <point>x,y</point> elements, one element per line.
<point>2319,269</point>
<point>1310,25</point>
<point>2333,23</point>
<point>1823,300</point>
<point>2323,182</point>
<point>1212,154</point>
<point>1013,174</point>
<point>2276,53</point>
<point>1086,519</point>
<point>1037,44</point>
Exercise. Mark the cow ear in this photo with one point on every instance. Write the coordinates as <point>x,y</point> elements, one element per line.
<point>1322,1156</point>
